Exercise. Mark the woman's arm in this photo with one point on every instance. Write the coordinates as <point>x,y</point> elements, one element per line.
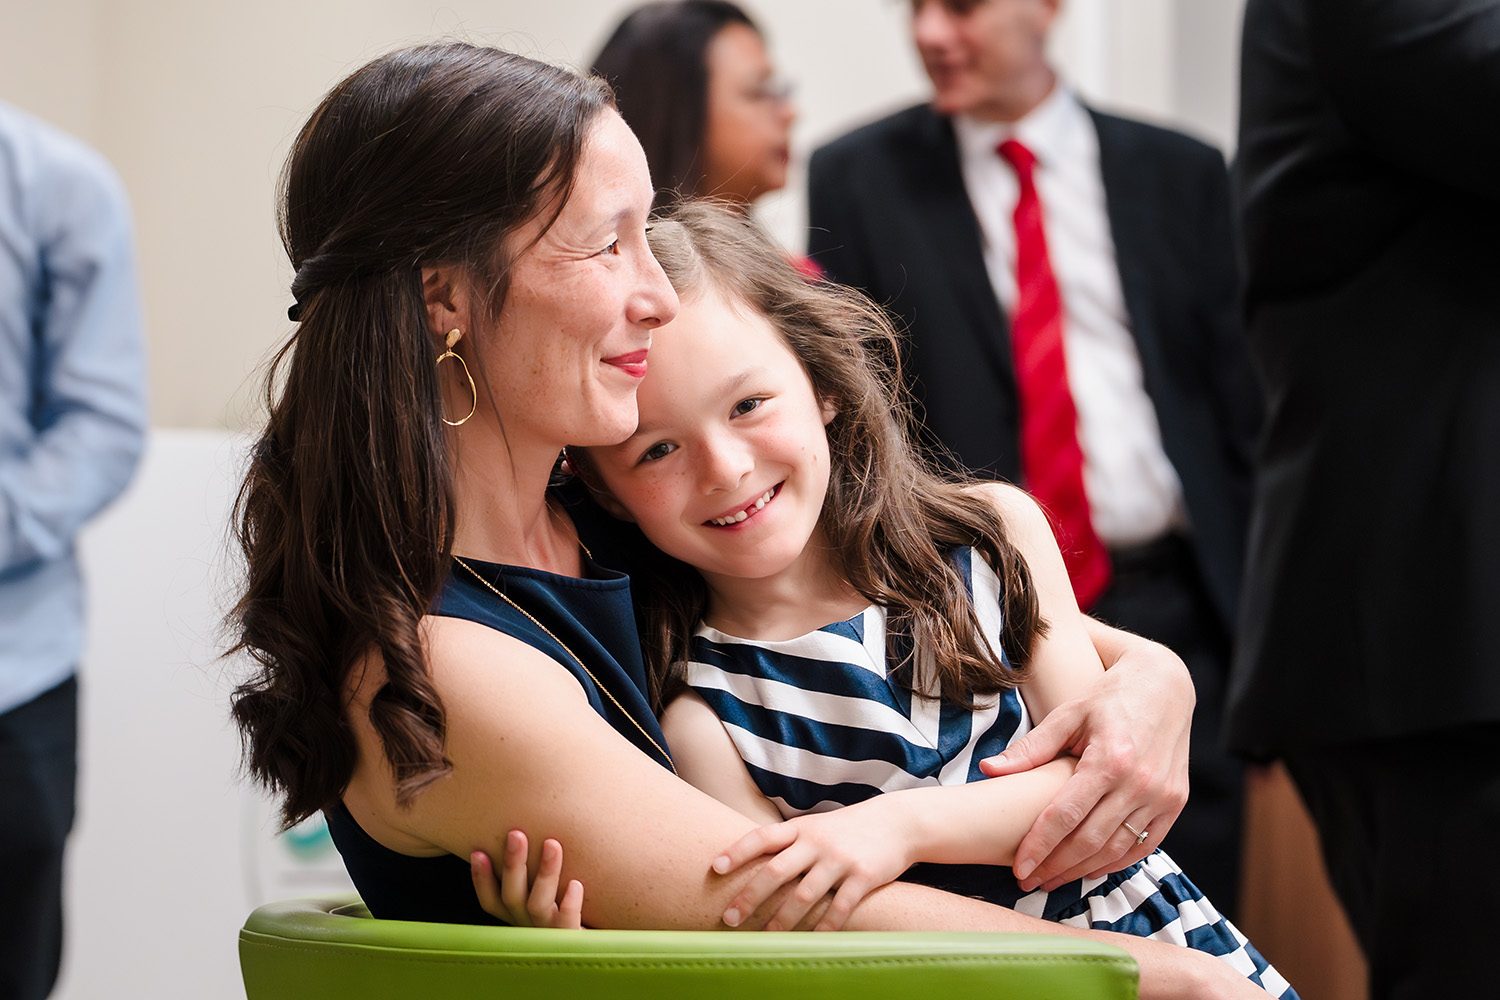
<point>1128,727</point>
<point>528,752</point>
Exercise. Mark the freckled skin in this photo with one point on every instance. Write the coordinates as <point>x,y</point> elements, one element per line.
<point>720,444</point>
<point>588,290</point>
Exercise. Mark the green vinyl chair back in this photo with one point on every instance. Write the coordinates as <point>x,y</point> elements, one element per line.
<point>333,950</point>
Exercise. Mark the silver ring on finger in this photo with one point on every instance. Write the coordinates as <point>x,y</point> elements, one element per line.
<point>1139,835</point>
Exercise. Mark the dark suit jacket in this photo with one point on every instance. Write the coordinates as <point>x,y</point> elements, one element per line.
<point>890,215</point>
<point>1369,178</point>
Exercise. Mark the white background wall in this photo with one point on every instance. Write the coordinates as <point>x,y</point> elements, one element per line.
<point>170,852</point>
<point>196,102</point>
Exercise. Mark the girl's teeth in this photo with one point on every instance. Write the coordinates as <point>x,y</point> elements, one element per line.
<point>764,499</point>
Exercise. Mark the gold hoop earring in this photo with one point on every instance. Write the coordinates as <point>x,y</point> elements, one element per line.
<point>453,338</point>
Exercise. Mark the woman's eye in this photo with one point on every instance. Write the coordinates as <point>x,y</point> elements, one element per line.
<point>744,406</point>
<point>613,248</point>
<point>657,452</point>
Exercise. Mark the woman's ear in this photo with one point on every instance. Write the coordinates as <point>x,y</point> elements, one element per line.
<point>829,411</point>
<point>445,293</point>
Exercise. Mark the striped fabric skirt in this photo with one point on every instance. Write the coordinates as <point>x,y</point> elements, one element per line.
<point>1154,899</point>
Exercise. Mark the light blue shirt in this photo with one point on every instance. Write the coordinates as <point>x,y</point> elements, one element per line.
<point>72,387</point>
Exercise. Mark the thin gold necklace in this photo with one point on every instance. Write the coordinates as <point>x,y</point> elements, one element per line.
<point>576,658</point>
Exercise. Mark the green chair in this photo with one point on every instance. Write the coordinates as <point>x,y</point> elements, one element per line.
<point>333,950</point>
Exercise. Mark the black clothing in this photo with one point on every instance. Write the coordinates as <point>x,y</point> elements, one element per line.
<point>1369,183</point>
<point>1402,824</point>
<point>38,786</point>
<point>594,616</point>
<point>1369,176</point>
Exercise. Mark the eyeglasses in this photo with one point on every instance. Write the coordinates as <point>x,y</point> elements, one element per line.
<point>957,8</point>
<point>774,91</point>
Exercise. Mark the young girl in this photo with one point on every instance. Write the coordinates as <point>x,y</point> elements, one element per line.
<point>831,620</point>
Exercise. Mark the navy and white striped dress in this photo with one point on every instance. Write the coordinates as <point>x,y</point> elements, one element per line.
<point>820,724</point>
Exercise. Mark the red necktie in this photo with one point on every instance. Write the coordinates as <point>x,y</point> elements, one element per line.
<point>1051,460</point>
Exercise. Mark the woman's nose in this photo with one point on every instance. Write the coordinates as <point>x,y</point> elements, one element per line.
<point>655,302</point>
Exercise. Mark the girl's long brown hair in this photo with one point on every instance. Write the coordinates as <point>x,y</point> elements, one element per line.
<point>890,518</point>
<point>428,155</point>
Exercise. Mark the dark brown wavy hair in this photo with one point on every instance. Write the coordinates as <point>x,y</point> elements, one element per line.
<point>428,155</point>
<point>657,62</point>
<point>890,516</point>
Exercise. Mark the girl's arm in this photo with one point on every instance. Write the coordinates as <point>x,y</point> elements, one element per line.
<point>869,844</point>
<point>852,850</point>
<point>707,758</point>
<point>1063,663</point>
<point>857,848</point>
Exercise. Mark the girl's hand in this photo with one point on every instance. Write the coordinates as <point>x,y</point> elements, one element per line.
<point>856,850</point>
<point>509,898</point>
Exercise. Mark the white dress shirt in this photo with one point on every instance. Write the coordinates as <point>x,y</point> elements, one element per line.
<point>1133,491</point>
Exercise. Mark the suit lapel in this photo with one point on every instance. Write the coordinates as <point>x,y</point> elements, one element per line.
<point>940,201</point>
<point>1135,217</point>
<point>1127,203</point>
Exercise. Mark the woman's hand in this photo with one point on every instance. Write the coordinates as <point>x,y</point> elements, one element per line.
<point>853,850</point>
<point>509,898</point>
<point>1130,734</point>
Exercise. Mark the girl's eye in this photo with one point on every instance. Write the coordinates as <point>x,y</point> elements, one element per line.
<point>658,452</point>
<point>744,406</point>
<point>613,248</point>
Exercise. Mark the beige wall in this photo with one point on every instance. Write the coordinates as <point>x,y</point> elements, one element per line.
<point>196,101</point>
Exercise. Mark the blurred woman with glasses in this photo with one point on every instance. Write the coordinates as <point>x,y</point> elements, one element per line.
<point>696,85</point>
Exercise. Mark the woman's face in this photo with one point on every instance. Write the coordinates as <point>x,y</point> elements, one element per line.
<point>747,143</point>
<point>569,350</point>
<point>729,467</point>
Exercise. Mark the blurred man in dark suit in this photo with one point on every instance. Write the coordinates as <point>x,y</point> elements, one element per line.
<point>1069,284</point>
<point>1369,177</point>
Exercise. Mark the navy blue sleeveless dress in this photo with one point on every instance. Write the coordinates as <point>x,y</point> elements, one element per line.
<point>595,617</point>
<point>820,723</point>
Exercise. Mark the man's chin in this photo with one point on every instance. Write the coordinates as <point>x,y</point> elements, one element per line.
<point>952,101</point>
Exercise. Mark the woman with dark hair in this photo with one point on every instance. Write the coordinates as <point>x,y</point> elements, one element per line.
<point>694,82</point>
<point>439,660</point>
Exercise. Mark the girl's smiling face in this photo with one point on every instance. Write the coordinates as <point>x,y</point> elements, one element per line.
<point>729,466</point>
